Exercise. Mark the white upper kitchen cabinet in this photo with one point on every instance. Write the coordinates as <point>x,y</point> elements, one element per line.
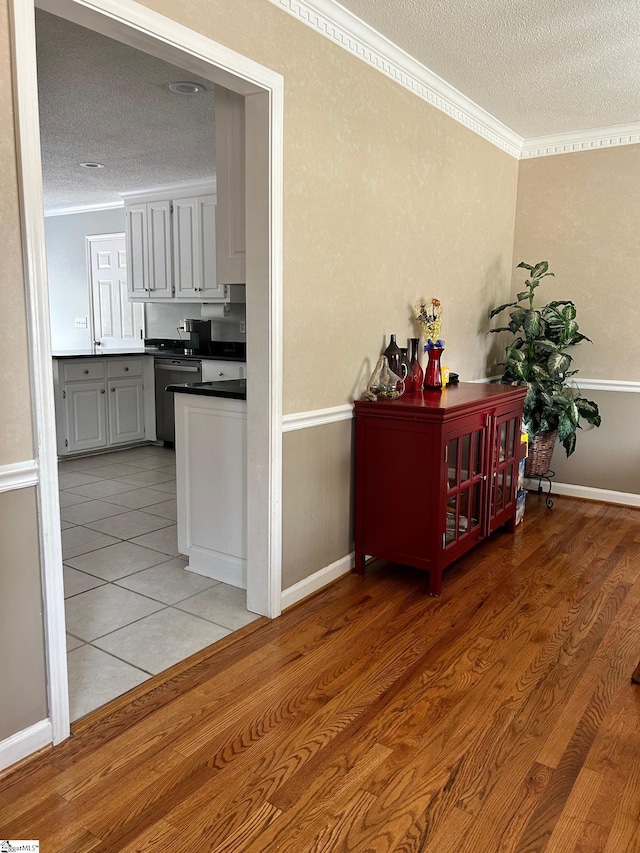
<point>148,234</point>
<point>171,244</point>
<point>194,249</point>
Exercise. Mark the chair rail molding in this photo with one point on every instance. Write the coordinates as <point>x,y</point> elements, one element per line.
<point>19,475</point>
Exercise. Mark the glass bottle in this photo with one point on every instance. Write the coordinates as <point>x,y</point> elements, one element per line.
<point>394,356</point>
<point>404,359</point>
<point>416,375</point>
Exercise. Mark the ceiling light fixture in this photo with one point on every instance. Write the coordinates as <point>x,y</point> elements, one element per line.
<point>93,165</point>
<point>184,87</point>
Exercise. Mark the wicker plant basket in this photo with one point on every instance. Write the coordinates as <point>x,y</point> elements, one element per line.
<point>540,453</point>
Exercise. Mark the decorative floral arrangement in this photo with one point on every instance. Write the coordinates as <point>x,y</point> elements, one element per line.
<point>429,315</point>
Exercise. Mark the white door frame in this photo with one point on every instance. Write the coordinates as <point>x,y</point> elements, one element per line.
<point>140,27</point>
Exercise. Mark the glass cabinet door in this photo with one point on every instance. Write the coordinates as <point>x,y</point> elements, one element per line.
<point>465,465</point>
<point>505,456</point>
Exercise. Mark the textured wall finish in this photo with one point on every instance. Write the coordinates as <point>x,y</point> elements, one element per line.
<point>317,499</point>
<point>607,457</point>
<point>15,421</point>
<point>581,212</point>
<point>22,668</point>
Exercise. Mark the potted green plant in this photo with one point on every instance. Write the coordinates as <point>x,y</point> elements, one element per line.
<point>537,357</point>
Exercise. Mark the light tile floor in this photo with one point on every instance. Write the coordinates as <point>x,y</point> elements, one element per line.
<point>132,610</point>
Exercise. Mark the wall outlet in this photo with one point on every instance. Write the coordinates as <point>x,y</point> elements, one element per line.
<point>81,322</point>
<point>243,327</point>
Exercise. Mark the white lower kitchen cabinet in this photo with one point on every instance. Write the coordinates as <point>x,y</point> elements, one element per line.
<point>125,411</point>
<point>211,443</point>
<point>85,409</point>
<point>100,403</point>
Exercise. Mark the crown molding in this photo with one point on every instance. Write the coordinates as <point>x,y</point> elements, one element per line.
<point>345,29</point>
<point>340,26</point>
<point>83,208</point>
<point>581,140</point>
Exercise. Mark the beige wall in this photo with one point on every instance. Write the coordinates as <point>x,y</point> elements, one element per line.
<point>581,212</point>
<point>16,443</point>
<point>317,499</point>
<point>22,673</point>
<point>386,200</point>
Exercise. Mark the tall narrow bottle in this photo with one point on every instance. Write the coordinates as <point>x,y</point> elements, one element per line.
<point>416,374</point>
<point>394,356</point>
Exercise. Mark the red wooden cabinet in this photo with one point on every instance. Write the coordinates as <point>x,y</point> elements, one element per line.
<point>436,472</point>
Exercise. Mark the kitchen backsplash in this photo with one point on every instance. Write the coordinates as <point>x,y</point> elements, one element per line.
<point>161,321</point>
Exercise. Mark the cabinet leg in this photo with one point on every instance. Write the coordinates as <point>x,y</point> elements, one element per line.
<point>435,582</point>
<point>358,568</point>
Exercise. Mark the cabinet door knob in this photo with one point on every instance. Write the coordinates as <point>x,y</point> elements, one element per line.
<point>126,369</point>
<point>112,390</point>
<point>85,371</point>
<point>220,373</point>
<point>103,391</point>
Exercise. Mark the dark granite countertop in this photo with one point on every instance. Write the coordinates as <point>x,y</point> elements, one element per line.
<point>89,354</point>
<point>232,389</point>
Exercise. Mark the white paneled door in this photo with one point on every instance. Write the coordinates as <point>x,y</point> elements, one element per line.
<point>117,322</point>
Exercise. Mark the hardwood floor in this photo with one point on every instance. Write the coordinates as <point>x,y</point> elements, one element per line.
<point>499,717</point>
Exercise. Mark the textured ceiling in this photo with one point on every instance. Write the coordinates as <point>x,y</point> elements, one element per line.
<point>539,66</point>
<point>105,102</point>
<point>542,68</point>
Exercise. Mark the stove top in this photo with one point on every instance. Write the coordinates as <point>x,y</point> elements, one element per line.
<point>230,350</point>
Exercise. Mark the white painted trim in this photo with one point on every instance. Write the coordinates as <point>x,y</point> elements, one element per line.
<point>607,496</point>
<point>304,420</point>
<point>35,268</point>
<point>22,744</point>
<point>349,32</point>
<point>576,142</point>
<point>18,475</point>
<point>317,581</point>
<point>138,26</point>
<point>207,186</point>
<point>605,385</point>
<point>84,208</point>
<point>345,29</point>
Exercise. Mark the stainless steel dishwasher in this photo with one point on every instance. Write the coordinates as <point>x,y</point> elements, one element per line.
<point>171,371</point>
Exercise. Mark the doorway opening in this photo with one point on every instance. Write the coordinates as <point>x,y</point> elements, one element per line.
<point>262,89</point>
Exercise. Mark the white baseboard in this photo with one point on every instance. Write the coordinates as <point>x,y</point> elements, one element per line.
<point>607,496</point>
<point>24,743</point>
<point>218,567</point>
<point>316,581</point>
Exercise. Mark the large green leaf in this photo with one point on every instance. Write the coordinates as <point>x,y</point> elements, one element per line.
<point>569,311</point>
<point>570,443</point>
<point>531,324</point>
<point>539,269</point>
<point>524,266</point>
<point>558,363</point>
<point>501,308</point>
<point>565,426</point>
<point>589,411</point>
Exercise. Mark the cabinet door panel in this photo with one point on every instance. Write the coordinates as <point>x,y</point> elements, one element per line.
<point>505,457</point>
<point>126,411</point>
<point>159,237</point>
<point>186,248</point>
<point>86,416</point>
<point>137,250</point>
<point>465,467</point>
<point>206,211</point>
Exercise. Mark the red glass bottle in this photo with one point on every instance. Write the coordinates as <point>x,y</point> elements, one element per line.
<point>416,375</point>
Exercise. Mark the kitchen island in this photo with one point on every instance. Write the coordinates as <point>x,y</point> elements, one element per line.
<point>211,487</point>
